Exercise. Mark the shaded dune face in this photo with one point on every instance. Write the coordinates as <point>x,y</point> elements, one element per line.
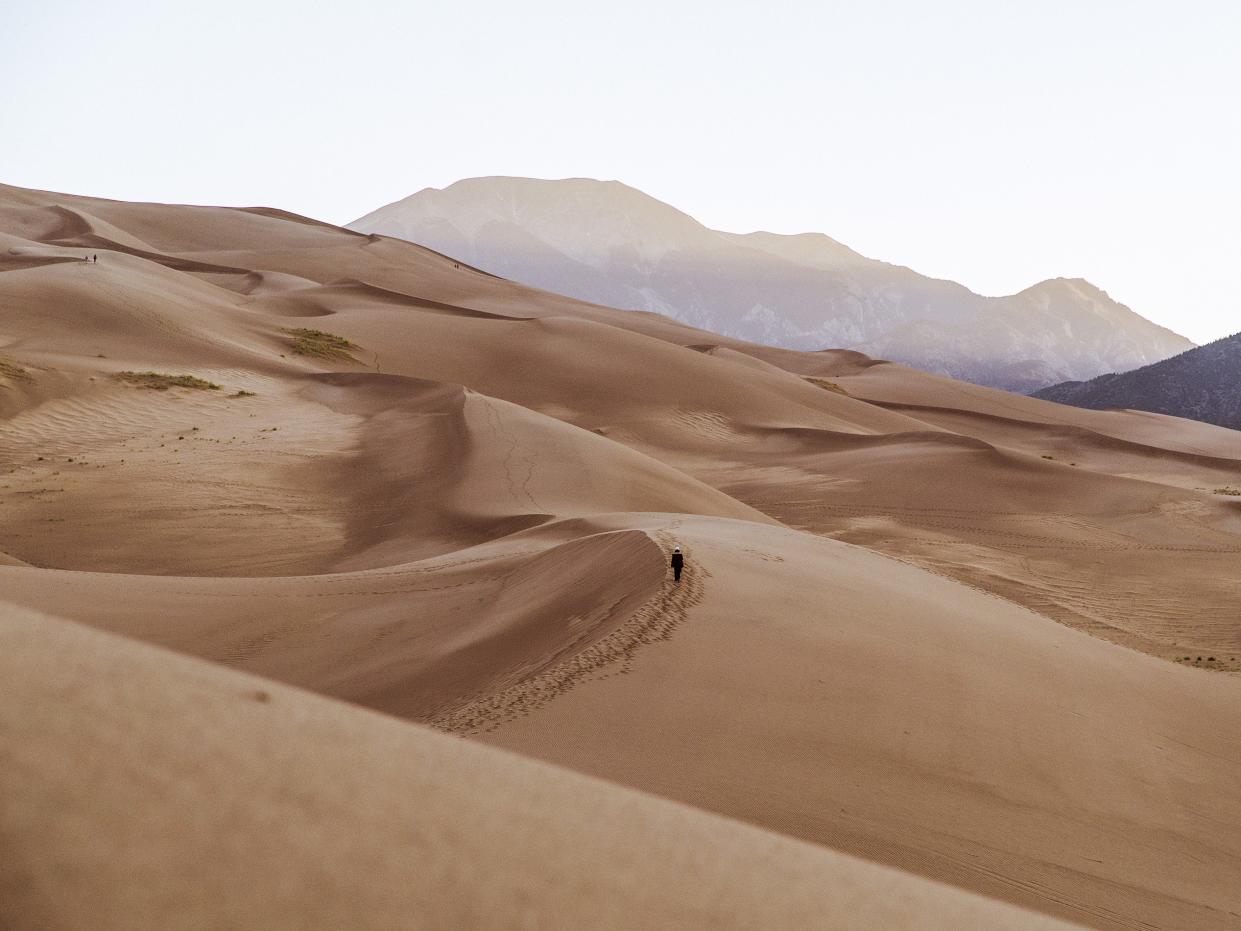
<point>354,466</point>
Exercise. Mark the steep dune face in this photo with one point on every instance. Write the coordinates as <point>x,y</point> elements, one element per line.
<point>422,639</point>
<point>439,468</point>
<point>441,495</point>
<point>146,790</point>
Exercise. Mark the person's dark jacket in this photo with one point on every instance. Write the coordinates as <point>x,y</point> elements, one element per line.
<point>677,560</point>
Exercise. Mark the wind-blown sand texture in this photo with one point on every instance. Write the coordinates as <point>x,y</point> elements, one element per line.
<point>935,626</point>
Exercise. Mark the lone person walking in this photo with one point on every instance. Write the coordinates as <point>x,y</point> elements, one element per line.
<point>678,563</point>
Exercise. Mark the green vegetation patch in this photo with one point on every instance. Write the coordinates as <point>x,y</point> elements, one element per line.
<point>158,381</point>
<point>827,385</point>
<point>321,345</point>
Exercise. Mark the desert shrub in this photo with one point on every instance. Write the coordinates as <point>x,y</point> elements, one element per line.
<point>159,381</point>
<point>321,345</point>
<point>826,385</point>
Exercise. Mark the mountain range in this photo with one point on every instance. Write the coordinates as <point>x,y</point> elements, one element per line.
<point>610,244</point>
<point>1200,384</point>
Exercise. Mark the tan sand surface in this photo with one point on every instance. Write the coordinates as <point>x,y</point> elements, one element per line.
<point>839,696</point>
<point>146,790</point>
<point>936,626</point>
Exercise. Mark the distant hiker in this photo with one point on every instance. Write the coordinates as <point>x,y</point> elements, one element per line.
<point>94,259</point>
<point>678,563</point>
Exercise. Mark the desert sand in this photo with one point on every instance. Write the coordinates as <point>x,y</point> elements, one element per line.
<point>163,792</point>
<point>937,627</point>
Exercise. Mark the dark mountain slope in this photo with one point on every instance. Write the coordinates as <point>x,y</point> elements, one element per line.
<point>1202,384</point>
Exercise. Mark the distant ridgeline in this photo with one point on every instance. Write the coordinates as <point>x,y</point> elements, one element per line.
<point>610,244</point>
<point>1202,384</point>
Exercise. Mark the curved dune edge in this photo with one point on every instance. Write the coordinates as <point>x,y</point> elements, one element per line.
<point>7,560</point>
<point>145,789</point>
<point>655,620</point>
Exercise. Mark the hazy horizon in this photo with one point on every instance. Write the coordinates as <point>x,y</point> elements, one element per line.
<point>993,147</point>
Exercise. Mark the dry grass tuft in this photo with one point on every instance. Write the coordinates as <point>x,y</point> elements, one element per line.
<point>827,385</point>
<point>321,345</point>
<point>158,381</point>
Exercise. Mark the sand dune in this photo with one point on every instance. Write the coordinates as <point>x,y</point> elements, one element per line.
<point>368,471</point>
<point>805,686</point>
<point>146,790</point>
<point>834,695</point>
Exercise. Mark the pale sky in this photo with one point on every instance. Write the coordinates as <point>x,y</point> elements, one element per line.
<point>997,143</point>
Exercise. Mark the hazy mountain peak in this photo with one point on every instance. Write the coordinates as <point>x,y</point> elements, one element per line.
<point>582,218</point>
<point>609,243</point>
<point>1067,287</point>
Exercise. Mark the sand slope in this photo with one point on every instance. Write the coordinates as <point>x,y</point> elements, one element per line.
<point>835,695</point>
<point>146,790</point>
<point>461,515</point>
